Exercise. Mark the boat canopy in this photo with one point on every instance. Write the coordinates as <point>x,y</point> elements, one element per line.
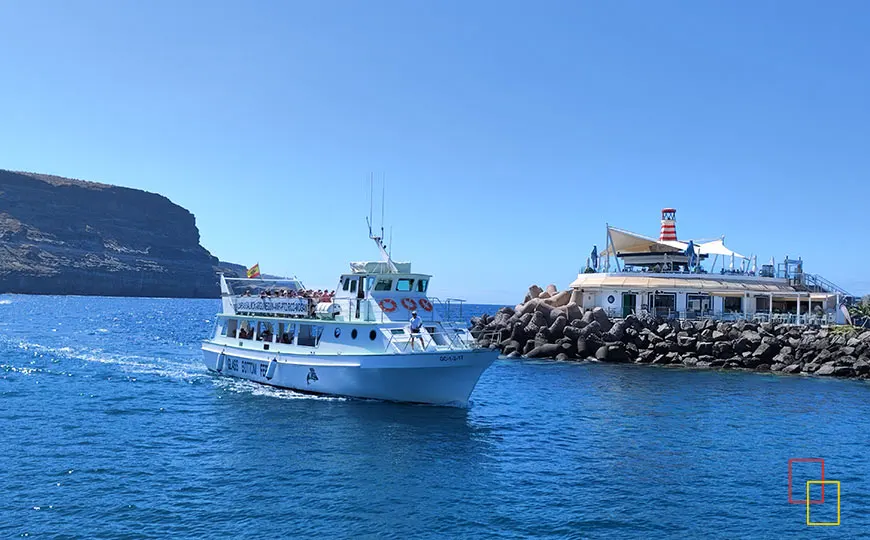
<point>238,286</point>
<point>379,267</point>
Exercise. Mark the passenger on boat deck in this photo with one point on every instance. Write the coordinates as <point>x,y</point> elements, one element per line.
<point>247,292</point>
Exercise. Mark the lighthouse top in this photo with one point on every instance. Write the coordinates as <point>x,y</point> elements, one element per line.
<point>669,225</point>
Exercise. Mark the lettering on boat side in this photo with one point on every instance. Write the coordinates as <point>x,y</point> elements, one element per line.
<point>451,358</point>
<point>291,306</point>
<point>246,367</point>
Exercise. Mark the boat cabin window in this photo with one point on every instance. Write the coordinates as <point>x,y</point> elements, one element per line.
<point>264,331</point>
<point>230,327</point>
<point>346,285</point>
<point>405,285</point>
<point>309,335</point>
<point>397,331</point>
<point>422,285</point>
<point>370,281</point>
<point>286,332</point>
<point>246,331</point>
<point>384,284</point>
<point>353,286</point>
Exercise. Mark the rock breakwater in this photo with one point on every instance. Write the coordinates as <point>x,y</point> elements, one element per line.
<point>550,324</point>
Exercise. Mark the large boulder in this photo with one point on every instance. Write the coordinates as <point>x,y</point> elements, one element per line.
<point>827,370</point>
<point>572,332</point>
<point>552,289</point>
<point>600,316</point>
<point>547,350</point>
<point>591,329</point>
<point>528,307</point>
<point>722,349</point>
<point>573,311</point>
<point>558,327</point>
<point>583,350</point>
<point>613,352</point>
<point>576,297</point>
<point>704,348</point>
<point>766,352</point>
<point>861,367</point>
<point>559,299</point>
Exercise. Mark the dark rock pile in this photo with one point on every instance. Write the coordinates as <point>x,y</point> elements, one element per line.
<point>539,330</point>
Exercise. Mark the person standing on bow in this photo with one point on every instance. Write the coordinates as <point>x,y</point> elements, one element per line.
<point>416,324</point>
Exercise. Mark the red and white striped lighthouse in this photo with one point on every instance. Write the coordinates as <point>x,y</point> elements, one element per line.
<point>669,224</point>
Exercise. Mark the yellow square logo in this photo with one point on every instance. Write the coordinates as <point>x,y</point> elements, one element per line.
<point>822,483</point>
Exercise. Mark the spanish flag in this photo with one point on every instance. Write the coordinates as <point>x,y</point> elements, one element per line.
<point>254,271</point>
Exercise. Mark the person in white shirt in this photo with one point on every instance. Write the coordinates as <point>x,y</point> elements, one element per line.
<point>416,324</point>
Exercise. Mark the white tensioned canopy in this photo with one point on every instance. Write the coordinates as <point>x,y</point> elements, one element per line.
<point>622,242</point>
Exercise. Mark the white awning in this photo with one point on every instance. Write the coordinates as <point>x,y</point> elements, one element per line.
<point>622,241</point>
<point>717,247</point>
<point>628,242</point>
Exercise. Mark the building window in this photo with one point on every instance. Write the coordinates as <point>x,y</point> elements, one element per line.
<point>733,304</point>
<point>664,304</point>
<point>699,304</point>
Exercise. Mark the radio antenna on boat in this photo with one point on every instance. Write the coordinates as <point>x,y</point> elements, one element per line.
<point>379,240</point>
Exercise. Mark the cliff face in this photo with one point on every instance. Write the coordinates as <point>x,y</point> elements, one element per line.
<point>63,236</point>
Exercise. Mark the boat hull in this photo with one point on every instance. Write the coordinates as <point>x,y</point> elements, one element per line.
<point>433,377</point>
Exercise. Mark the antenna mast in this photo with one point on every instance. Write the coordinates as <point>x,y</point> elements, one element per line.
<point>379,240</point>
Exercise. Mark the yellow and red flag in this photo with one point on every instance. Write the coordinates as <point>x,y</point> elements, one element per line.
<point>254,271</point>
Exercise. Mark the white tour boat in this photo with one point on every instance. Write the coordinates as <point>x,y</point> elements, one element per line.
<point>357,343</point>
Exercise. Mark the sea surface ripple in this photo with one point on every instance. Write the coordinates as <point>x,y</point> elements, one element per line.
<point>112,428</point>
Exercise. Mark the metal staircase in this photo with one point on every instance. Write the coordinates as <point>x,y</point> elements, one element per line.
<point>816,283</point>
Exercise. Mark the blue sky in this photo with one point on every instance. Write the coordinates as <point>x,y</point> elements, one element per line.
<point>509,132</point>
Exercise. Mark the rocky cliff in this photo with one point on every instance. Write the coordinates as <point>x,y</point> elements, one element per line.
<point>63,236</point>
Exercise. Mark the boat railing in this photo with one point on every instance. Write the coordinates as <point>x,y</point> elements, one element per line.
<point>450,309</point>
<point>451,340</point>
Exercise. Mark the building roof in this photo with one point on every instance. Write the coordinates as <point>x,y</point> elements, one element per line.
<point>709,283</point>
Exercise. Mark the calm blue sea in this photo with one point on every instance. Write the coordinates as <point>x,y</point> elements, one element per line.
<point>111,428</point>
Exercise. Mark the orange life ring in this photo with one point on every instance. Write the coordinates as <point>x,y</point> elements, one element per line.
<point>409,304</point>
<point>388,305</point>
<point>425,304</point>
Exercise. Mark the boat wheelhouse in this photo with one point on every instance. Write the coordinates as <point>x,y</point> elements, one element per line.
<point>666,277</point>
<point>357,342</point>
